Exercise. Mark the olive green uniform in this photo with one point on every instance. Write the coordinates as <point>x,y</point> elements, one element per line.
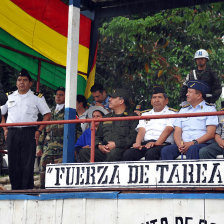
<point>123,133</point>
<point>51,144</point>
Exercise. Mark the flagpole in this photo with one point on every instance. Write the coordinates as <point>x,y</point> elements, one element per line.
<point>71,79</point>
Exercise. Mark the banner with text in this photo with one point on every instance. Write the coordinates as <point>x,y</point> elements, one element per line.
<point>141,174</point>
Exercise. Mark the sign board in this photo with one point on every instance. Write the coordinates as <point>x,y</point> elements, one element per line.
<point>141,174</point>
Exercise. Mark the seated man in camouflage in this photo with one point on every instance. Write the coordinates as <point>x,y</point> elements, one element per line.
<point>113,137</point>
<point>51,141</point>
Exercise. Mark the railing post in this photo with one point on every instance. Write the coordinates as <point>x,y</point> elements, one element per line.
<point>92,153</point>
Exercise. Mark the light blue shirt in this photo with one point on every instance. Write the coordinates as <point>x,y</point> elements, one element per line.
<point>105,103</point>
<point>195,127</point>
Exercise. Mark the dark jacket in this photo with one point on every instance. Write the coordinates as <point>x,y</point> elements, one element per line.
<point>208,76</point>
<point>123,133</point>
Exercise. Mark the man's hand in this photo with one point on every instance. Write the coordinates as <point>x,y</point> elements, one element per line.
<point>220,143</point>
<point>103,148</point>
<point>37,136</point>
<point>111,145</point>
<point>185,146</point>
<point>99,104</point>
<point>137,146</point>
<point>138,112</point>
<point>150,145</point>
<point>39,153</point>
<point>86,147</point>
<point>5,133</point>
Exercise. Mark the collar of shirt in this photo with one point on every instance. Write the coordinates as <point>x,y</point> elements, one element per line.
<point>160,112</point>
<point>59,107</point>
<point>26,94</point>
<point>200,105</point>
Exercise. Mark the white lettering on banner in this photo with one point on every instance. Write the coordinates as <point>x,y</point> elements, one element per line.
<point>140,174</point>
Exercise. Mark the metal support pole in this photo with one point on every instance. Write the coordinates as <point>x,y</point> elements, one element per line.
<point>38,76</point>
<point>93,129</point>
<point>71,80</point>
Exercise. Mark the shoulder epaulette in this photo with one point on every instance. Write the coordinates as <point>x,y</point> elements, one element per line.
<point>187,105</point>
<point>9,93</point>
<point>145,111</point>
<point>222,109</point>
<point>126,113</point>
<point>209,104</point>
<point>38,94</point>
<point>172,109</point>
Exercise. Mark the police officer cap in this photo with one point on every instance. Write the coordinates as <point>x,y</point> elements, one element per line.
<point>158,89</point>
<point>121,93</point>
<point>24,72</point>
<point>61,88</point>
<point>199,85</point>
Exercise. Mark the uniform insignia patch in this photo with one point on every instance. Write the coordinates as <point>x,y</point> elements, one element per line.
<point>38,94</point>
<point>187,105</point>
<point>145,111</point>
<point>172,109</point>
<point>209,104</point>
<point>107,122</point>
<point>9,93</point>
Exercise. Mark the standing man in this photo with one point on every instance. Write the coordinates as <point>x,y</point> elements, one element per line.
<point>100,96</point>
<point>203,73</point>
<point>23,106</point>
<point>153,134</point>
<point>192,133</point>
<point>51,141</point>
<point>113,137</point>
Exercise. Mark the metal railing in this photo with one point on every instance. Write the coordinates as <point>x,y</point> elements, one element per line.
<point>92,121</point>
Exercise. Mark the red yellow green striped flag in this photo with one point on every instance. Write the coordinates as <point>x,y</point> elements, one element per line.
<point>39,28</point>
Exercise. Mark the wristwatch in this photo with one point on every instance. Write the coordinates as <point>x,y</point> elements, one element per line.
<point>195,141</point>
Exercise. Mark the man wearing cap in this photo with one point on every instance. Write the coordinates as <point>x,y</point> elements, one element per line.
<point>203,73</point>
<point>153,134</point>
<point>23,106</point>
<point>113,137</point>
<point>50,146</point>
<point>192,133</point>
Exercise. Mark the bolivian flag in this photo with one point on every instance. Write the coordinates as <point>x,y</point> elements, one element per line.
<point>39,28</point>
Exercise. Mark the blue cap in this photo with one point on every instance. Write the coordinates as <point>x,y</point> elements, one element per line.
<point>199,85</point>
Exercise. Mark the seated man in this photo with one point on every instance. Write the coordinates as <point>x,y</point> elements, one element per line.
<point>192,133</point>
<point>156,133</point>
<point>216,148</point>
<point>113,137</point>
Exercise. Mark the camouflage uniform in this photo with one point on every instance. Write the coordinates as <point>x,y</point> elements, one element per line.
<point>51,144</point>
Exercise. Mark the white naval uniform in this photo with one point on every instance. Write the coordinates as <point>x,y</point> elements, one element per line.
<point>20,140</point>
<point>24,107</point>
<point>154,127</point>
